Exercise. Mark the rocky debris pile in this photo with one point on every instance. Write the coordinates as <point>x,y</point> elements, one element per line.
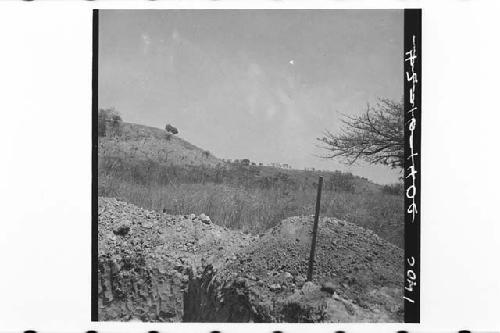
<point>159,267</point>
<point>145,259</point>
<point>358,277</point>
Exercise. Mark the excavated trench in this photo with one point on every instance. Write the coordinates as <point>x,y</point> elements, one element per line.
<point>207,301</point>
<point>160,268</point>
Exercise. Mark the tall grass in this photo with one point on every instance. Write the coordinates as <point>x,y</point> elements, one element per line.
<point>241,198</point>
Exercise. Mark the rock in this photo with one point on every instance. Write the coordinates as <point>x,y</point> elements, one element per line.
<point>275,287</point>
<point>309,287</point>
<point>204,218</point>
<point>329,287</point>
<point>122,229</point>
<point>192,216</point>
<point>300,279</point>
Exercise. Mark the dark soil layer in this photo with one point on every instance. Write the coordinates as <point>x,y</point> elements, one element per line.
<point>158,267</point>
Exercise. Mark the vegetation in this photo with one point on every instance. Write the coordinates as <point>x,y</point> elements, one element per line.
<point>144,168</point>
<point>171,129</point>
<point>250,198</point>
<point>108,122</point>
<point>377,136</point>
<point>395,189</point>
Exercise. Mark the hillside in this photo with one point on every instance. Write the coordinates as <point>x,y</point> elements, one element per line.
<point>144,143</point>
<point>160,267</point>
<point>144,166</point>
<point>139,143</point>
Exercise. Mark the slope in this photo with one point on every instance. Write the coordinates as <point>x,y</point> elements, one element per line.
<point>141,143</point>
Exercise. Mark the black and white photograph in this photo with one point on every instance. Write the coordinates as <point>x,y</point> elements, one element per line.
<point>322,166</point>
<point>250,165</point>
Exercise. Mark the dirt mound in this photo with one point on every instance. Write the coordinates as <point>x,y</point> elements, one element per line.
<point>358,277</point>
<point>146,259</point>
<point>159,267</point>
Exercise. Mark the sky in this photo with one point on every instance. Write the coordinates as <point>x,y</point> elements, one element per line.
<point>256,84</point>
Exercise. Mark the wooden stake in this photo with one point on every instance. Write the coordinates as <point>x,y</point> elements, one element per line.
<point>315,231</point>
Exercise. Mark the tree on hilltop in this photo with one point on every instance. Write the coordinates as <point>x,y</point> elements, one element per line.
<point>171,129</point>
<point>377,136</point>
<point>108,122</point>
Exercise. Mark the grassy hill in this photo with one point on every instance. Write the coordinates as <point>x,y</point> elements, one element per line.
<point>145,166</point>
<point>144,143</point>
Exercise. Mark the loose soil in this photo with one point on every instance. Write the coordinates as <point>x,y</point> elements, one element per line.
<point>165,268</point>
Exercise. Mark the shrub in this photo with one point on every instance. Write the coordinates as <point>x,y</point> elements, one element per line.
<point>171,129</point>
<point>108,122</point>
<point>394,189</point>
<point>340,181</point>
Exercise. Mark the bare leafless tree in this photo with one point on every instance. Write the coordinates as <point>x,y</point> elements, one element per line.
<point>377,136</point>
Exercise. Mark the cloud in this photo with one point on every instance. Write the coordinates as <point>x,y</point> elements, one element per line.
<point>175,35</point>
<point>271,111</point>
<point>254,71</point>
<point>146,42</point>
<point>271,94</point>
